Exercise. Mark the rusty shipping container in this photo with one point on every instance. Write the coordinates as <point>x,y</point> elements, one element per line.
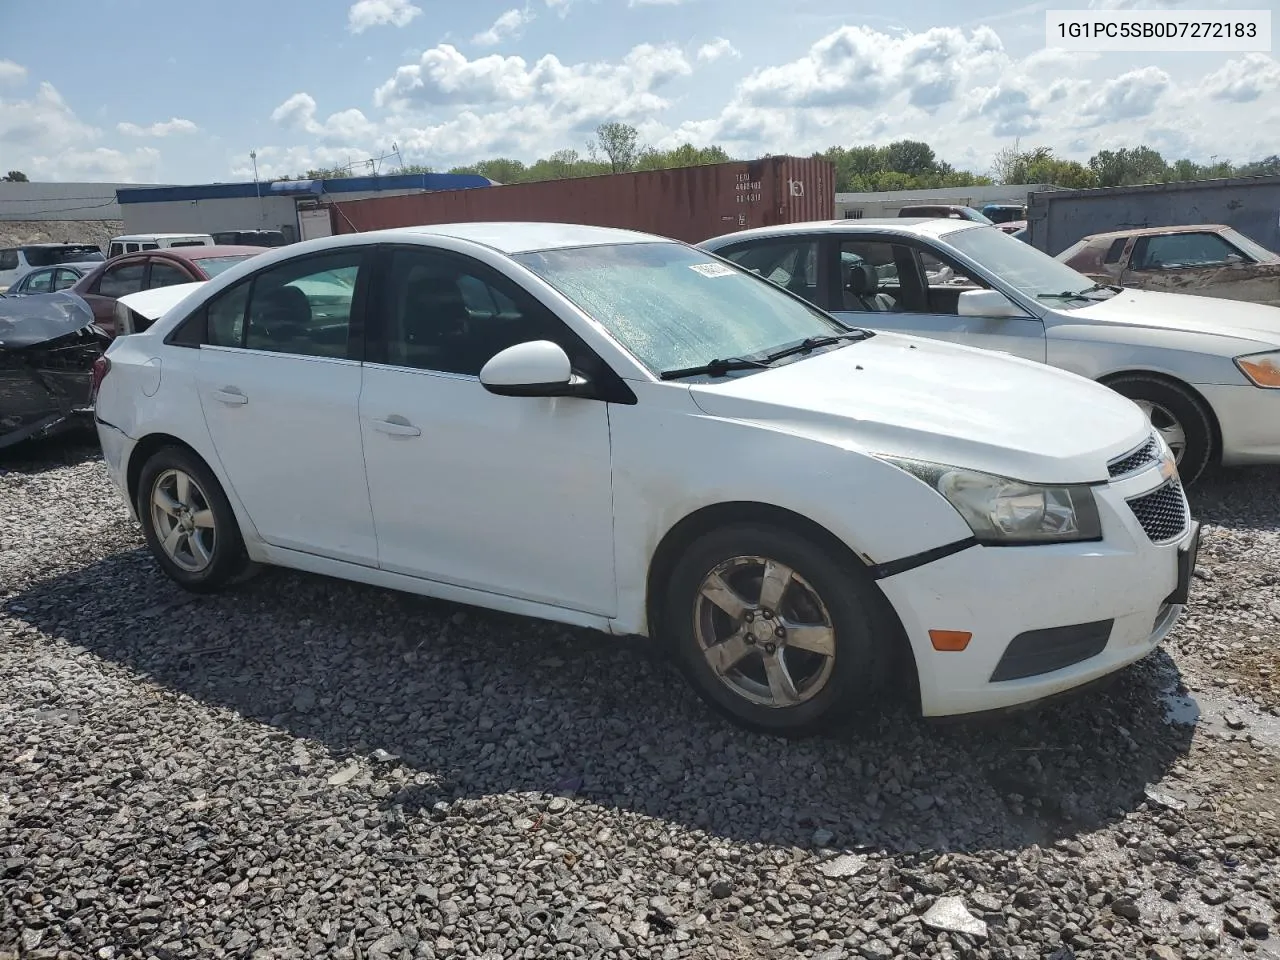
<point>685,203</point>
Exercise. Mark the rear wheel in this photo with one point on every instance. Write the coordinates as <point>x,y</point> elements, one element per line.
<point>775,631</point>
<point>188,523</point>
<point>1178,415</point>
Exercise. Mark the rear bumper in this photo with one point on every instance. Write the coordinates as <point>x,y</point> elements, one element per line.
<point>1116,599</point>
<point>1249,418</point>
<point>116,450</point>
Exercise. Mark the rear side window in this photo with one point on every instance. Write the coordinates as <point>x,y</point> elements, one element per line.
<point>304,307</point>
<point>9,259</point>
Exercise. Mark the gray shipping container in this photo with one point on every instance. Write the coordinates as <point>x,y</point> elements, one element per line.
<point>1250,204</point>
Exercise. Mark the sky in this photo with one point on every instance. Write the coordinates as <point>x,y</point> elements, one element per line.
<point>139,91</point>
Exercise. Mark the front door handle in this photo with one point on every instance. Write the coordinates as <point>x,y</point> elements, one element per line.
<point>230,395</point>
<point>397,426</point>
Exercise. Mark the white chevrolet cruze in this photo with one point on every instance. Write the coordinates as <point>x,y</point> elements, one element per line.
<point>619,431</point>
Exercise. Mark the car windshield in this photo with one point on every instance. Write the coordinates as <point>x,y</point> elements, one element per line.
<point>71,253</point>
<point>1252,248</point>
<point>675,307</point>
<point>1022,266</point>
<point>215,265</point>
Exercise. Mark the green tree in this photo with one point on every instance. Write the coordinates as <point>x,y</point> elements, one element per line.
<point>1128,166</point>
<point>618,143</point>
<point>15,176</point>
<point>912,157</point>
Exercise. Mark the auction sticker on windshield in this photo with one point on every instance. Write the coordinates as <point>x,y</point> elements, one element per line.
<point>712,269</point>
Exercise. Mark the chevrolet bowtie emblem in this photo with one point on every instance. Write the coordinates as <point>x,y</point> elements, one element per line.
<point>1168,467</point>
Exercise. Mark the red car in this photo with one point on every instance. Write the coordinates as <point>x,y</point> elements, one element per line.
<point>132,272</point>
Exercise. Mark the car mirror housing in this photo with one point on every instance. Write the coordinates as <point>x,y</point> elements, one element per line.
<point>537,368</point>
<point>987,303</point>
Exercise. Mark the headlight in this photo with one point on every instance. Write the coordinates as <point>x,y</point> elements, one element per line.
<point>1262,369</point>
<point>1003,511</point>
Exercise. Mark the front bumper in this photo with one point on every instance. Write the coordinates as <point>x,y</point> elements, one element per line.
<point>1116,593</point>
<point>1249,419</point>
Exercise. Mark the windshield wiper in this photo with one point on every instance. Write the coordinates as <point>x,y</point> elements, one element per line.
<point>1079,294</point>
<point>812,343</point>
<point>714,368</point>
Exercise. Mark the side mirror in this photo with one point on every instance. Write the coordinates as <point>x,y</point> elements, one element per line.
<point>538,368</point>
<point>987,303</point>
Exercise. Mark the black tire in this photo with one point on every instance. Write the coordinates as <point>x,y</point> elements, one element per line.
<point>228,560</point>
<point>862,642</point>
<point>1183,406</point>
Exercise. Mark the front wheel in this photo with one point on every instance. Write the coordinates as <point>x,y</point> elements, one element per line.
<point>188,523</point>
<point>1178,416</point>
<point>776,632</point>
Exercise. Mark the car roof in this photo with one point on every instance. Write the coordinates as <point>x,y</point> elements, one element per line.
<point>155,236</point>
<point>68,243</point>
<point>1155,231</point>
<point>910,226</point>
<point>512,237</point>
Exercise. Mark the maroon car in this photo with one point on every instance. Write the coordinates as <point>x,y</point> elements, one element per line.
<point>132,272</point>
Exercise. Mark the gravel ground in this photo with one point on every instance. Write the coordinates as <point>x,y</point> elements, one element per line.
<point>307,767</point>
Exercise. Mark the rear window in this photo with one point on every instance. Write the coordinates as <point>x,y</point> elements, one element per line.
<point>216,265</point>
<point>188,243</point>
<point>70,253</point>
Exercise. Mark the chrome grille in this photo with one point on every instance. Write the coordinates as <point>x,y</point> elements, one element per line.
<point>1162,512</point>
<point>1144,456</point>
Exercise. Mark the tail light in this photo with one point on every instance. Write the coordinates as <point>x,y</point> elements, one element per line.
<point>101,367</point>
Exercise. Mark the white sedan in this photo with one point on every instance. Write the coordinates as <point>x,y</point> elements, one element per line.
<point>1206,371</point>
<point>614,430</point>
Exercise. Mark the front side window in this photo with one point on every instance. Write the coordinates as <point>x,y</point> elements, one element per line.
<point>1115,250</point>
<point>122,280</point>
<point>65,279</point>
<point>450,314</point>
<point>1173,250</point>
<point>226,316</point>
<point>303,307</point>
<point>40,282</point>
<point>166,275</point>
<point>869,280</point>
<point>673,306</point>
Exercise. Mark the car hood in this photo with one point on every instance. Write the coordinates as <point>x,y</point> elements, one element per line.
<point>1186,313</point>
<point>941,402</point>
<point>41,317</point>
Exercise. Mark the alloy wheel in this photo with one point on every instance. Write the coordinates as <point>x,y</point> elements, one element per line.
<point>183,520</point>
<point>764,631</point>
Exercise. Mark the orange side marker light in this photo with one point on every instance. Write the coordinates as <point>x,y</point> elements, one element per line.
<point>950,640</point>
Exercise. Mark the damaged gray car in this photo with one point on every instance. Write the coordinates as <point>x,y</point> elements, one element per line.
<point>48,347</point>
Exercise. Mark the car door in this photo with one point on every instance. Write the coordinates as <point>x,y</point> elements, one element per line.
<point>507,495</point>
<point>904,286</point>
<point>116,281</point>
<point>279,383</point>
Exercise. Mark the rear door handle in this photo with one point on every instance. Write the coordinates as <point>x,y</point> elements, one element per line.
<point>397,426</point>
<point>230,395</point>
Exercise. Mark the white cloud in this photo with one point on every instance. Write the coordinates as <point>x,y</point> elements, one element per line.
<point>299,113</point>
<point>859,66</point>
<point>364,14</point>
<point>1134,4</point>
<point>716,49</point>
<point>656,3</point>
<point>11,72</point>
<point>1130,96</point>
<point>509,25</point>
<point>99,163</point>
<point>582,93</point>
<point>1244,80</point>
<point>161,128</point>
<point>45,122</point>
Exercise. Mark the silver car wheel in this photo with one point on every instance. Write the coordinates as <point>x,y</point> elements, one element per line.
<point>1169,426</point>
<point>183,520</point>
<point>764,631</point>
